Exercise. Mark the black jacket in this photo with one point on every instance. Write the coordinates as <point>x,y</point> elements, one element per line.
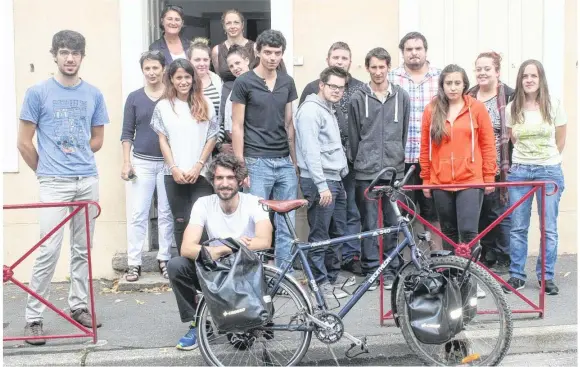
<point>161,45</point>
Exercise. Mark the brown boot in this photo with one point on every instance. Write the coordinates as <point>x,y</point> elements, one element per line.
<point>34,329</point>
<point>83,317</point>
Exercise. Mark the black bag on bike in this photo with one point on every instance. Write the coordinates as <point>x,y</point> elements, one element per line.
<point>434,306</point>
<point>234,288</point>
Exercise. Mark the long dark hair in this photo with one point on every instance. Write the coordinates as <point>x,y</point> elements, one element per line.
<point>441,103</point>
<point>195,99</point>
<point>543,97</point>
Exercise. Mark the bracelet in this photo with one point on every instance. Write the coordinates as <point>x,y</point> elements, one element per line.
<point>172,167</point>
<point>201,162</point>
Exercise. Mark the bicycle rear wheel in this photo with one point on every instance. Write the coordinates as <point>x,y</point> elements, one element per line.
<point>486,336</point>
<point>260,346</point>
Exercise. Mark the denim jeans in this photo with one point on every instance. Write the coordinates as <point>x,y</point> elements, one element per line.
<point>369,219</point>
<point>55,190</point>
<point>496,244</point>
<point>521,217</point>
<point>275,176</point>
<point>351,248</point>
<point>325,222</point>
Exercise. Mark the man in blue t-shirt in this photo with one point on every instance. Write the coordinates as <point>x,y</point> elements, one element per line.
<point>68,116</point>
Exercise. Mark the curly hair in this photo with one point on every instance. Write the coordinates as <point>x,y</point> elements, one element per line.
<point>228,161</point>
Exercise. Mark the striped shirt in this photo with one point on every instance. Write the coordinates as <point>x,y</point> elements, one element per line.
<point>212,93</point>
<point>420,95</point>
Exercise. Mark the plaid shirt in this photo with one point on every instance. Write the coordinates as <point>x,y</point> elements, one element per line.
<point>420,95</point>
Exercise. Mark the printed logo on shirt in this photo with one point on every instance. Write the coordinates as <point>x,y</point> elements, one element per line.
<point>69,118</point>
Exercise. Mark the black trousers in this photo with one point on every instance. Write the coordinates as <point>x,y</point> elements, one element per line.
<point>458,213</point>
<point>184,283</point>
<point>181,199</point>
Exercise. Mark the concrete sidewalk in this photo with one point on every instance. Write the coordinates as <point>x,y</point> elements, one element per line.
<point>142,328</point>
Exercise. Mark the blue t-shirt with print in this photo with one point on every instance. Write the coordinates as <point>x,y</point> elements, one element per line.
<point>63,117</point>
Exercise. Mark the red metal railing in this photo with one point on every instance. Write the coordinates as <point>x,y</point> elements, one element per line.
<point>464,249</point>
<point>8,274</point>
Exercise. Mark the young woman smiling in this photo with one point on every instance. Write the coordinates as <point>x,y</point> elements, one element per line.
<point>187,126</point>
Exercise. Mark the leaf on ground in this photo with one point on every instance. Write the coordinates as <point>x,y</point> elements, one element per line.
<point>567,273</point>
<point>13,297</point>
<point>67,278</point>
<point>118,300</point>
<point>140,302</point>
<point>61,298</point>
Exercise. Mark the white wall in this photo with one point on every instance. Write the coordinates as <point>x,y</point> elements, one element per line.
<point>8,99</point>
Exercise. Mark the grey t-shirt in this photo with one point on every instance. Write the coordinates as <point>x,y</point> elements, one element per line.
<point>491,106</point>
<point>264,132</point>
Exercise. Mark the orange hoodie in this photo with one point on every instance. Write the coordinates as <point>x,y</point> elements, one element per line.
<point>467,155</point>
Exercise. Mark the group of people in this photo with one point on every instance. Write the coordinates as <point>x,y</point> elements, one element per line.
<point>200,138</point>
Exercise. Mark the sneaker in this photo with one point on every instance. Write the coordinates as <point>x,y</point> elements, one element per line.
<point>374,286</point>
<point>342,281</point>
<point>34,329</point>
<point>516,283</point>
<point>352,265</point>
<point>480,293</point>
<point>500,267</point>
<point>388,282</point>
<point>188,341</point>
<point>330,292</point>
<point>550,287</point>
<point>83,317</point>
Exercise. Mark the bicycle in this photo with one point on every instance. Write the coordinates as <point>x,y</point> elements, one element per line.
<point>286,338</point>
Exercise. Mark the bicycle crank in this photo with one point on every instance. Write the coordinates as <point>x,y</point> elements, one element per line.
<point>328,327</point>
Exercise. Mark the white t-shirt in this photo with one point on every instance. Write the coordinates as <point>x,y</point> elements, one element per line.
<point>207,213</point>
<point>535,138</point>
<point>185,134</point>
<point>228,114</point>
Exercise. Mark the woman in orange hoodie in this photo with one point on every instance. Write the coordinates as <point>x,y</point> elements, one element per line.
<point>457,147</point>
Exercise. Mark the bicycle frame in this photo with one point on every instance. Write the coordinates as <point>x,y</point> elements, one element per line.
<point>303,247</point>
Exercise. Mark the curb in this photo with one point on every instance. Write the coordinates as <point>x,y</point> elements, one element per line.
<point>389,345</point>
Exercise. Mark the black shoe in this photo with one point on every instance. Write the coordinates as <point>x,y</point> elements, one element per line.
<point>516,283</point>
<point>501,267</point>
<point>352,265</point>
<point>550,287</point>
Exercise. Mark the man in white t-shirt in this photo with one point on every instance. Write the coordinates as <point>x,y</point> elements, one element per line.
<point>228,213</point>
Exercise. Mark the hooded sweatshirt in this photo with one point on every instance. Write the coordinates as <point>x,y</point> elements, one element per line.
<point>466,155</point>
<point>378,131</point>
<point>319,150</point>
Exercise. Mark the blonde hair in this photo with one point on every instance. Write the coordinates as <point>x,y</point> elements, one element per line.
<point>198,43</point>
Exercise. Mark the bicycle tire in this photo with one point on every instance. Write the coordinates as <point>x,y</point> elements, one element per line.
<point>504,311</point>
<point>291,290</point>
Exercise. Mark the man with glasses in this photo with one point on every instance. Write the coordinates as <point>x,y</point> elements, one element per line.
<point>339,55</point>
<point>68,115</point>
<point>322,163</point>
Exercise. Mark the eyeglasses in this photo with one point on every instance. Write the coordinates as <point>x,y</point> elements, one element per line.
<point>67,53</point>
<point>335,88</point>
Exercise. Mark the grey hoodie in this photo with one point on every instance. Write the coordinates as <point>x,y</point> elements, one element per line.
<point>378,131</point>
<point>318,146</point>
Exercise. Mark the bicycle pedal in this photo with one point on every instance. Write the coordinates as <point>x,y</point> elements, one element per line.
<point>364,349</point>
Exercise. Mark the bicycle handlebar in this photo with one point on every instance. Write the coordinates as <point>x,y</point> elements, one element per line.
<point>394,184</point>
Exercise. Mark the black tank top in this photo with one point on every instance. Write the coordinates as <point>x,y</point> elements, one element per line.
<point>224,72</point>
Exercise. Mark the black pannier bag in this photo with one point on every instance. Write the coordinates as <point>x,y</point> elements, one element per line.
<point>434,306</point>
<point>234,288</point>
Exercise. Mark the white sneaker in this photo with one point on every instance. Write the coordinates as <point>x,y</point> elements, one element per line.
<point>480,292</point>
<point>344,281</point>
<point>330,292</point>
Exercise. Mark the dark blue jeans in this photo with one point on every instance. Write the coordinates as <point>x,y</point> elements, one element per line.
<point>351,248</point>
<point>521,217</point>
<point>496,243</point>
<point>325,222</point>
<point>369,211</point>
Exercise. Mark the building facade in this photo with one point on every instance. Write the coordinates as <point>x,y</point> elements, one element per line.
<point>117,31</point>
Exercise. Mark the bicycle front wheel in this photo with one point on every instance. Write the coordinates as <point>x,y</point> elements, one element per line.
<point>260,346</point>
<point>487,334</point>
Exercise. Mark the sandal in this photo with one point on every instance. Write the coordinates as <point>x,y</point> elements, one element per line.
<point>133,273</point>
<point>163,268</point>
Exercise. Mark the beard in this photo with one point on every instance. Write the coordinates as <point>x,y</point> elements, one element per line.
<point>415,64</point>
<point>67,73</point>
<point>227,195</point>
